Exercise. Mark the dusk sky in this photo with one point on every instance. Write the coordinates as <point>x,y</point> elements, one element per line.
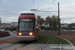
<point>11,9</point>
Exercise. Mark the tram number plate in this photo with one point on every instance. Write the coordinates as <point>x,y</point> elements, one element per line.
<point>25,33</point>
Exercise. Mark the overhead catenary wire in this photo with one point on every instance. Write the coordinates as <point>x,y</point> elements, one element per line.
<point>47,9</point>
<point>49,6</point>
<point>33,6</point>
<point>33,3</point>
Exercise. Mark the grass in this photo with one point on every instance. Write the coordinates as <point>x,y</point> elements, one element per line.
<point>53,40</point>
<point>61,40</point>
<point>48,31</point>
<point>57,31</point>
<point>43,39</point>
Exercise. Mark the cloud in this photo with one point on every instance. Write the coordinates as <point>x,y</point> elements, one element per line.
<point>25,12</point>
<point>69,21</point>
<point>73,19</point>
<point>67,12</point>
<point>67,15</point>
<point>11,9</point>
<point>6,12</point>
<point>8,19</point>
<point>12,19</point>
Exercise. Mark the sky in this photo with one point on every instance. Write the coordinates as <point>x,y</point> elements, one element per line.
<point>10,10</point>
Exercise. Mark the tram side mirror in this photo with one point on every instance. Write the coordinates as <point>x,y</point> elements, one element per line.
<point>37,27</point>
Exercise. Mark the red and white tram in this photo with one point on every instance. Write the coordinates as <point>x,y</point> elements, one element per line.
<point>27,27</point>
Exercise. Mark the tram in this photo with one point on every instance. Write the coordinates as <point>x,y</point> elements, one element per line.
<point>27,27</point>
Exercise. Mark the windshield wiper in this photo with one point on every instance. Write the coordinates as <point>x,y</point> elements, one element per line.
<point>29,27</point>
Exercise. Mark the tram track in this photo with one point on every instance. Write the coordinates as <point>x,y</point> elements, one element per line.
<point>60,45</point>
<point>29,43</point>
<point>22,46</point>
<point>42,48</point>
<point>13,45</point>
<point>45,44</point>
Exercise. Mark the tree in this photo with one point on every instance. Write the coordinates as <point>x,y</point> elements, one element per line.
<point>70,26</point>
<point>48,21</point>
<point>41,20</point>
<point>54,21</point>
<point>51,21</point>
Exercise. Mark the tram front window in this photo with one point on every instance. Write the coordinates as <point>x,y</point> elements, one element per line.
<point>26,26</point>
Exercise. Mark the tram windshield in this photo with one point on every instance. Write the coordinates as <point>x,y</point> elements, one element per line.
<point>26,26</point>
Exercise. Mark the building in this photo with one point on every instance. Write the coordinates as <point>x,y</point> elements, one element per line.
<point>73,25</point>
<point>14,24</point>
<point>3,25</point>
<point>64,25</point>
<point>6,25</point>
<point>9,25</point>
<point>45,25</point>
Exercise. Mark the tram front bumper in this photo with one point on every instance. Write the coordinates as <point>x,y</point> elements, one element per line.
<point>26,38</point>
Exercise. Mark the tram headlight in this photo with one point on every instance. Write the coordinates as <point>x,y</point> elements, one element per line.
<point>30,33</point>
<point>20,33</point>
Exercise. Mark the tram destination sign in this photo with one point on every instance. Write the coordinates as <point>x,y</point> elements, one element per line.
<point>25,19</point>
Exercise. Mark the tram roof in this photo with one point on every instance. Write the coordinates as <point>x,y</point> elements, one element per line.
<point>27,15</point>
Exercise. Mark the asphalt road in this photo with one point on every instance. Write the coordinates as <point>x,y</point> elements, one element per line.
<point>12,35</point>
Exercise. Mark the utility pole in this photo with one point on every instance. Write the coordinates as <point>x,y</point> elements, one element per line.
<point>0,24</point>
<point>58,20</point>
<point>52,11</point>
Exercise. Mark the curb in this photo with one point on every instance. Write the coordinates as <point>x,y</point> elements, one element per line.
<point>69,42</point>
